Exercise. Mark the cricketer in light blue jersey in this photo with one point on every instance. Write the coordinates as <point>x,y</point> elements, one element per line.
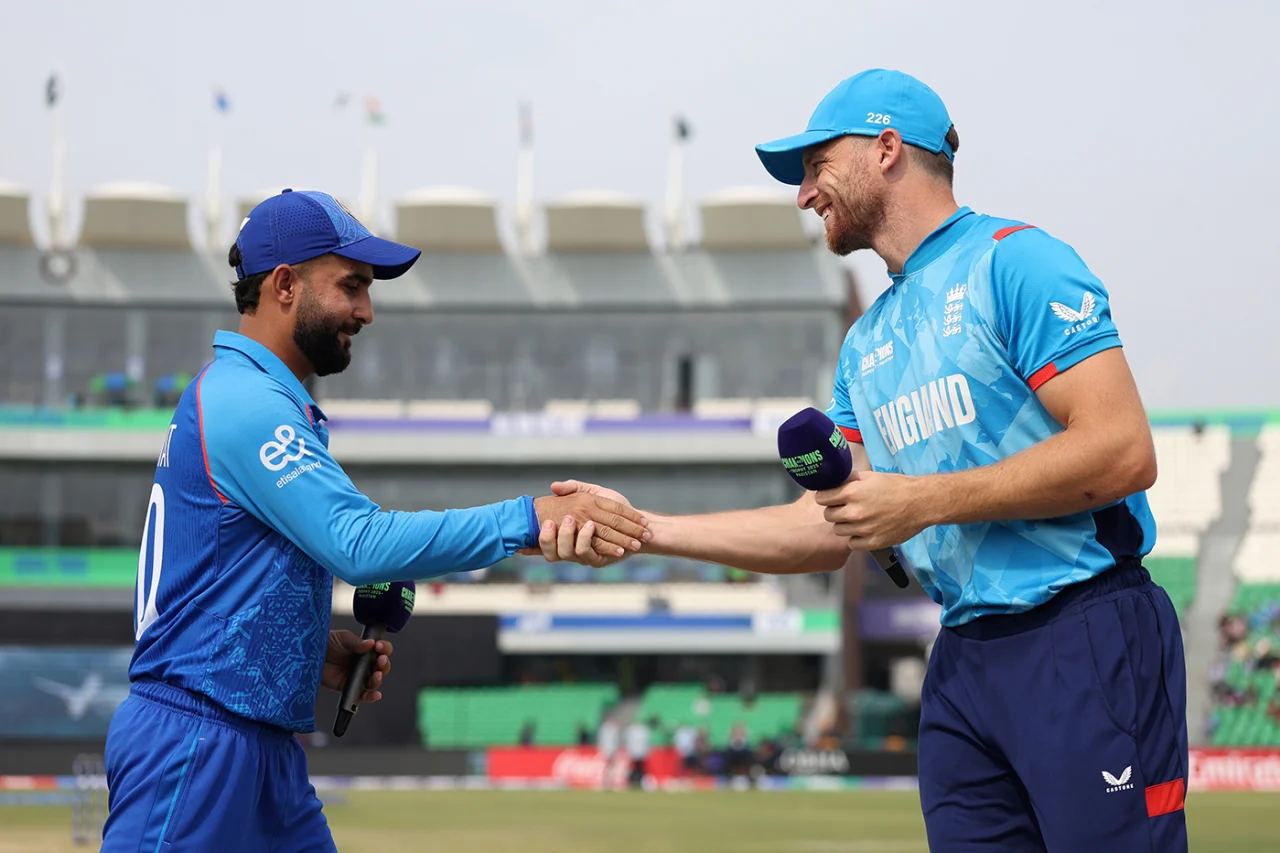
<point>1005,456</point>
<point>940,375</point>
<point>250,519</point>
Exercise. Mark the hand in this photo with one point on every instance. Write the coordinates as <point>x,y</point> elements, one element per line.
<point>580,544</point>
<point>876,510</point>
<point>343,647</point>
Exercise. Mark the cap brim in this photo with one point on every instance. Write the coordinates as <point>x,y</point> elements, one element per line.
<point>784,158</point>
<point>388,259</point>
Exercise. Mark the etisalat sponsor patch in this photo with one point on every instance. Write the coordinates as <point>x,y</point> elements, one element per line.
<point>296,473</point>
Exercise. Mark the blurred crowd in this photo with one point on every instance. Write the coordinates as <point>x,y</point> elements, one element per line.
<point>1247,644</point>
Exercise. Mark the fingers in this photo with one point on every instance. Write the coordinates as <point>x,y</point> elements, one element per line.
<point>632,515</point>
<point>620,524</point>
<point>614,544</point>
<point>566,538</point>
<point>547,542</point>
<point>371,696</point>
<point>584,547</point>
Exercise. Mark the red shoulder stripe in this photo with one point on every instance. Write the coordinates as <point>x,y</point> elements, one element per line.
<point>1005,232</point>
<point>852,434</point>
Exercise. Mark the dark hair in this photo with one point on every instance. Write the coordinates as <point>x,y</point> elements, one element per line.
<point>247,289</point>
<point>938,165</point>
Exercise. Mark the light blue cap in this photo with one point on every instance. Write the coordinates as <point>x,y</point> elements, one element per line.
<point>865,105</point>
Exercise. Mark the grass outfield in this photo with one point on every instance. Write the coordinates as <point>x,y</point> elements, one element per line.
<point>582,822</point>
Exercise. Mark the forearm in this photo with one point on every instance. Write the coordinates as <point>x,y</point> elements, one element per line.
<point>1074,471</point>
<point>391,546</point>
<point>789,539</point>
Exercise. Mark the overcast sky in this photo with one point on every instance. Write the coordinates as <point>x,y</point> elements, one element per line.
<point>1143,133</point>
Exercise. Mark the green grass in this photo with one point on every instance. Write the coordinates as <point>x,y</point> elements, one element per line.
<point>584,822</point>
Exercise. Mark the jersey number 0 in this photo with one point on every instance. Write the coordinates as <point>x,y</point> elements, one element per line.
<point>152,540</point>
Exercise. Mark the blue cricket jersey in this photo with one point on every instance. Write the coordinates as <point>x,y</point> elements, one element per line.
<point>940,375</point>
<point>250,517</point>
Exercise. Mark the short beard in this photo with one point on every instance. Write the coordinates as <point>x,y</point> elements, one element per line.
<point>857,213</point>
<point>316,336</point>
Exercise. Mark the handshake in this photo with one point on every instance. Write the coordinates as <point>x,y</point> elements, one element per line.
<point>587,524</point>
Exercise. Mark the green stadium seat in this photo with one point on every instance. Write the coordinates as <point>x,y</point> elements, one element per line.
<point>488,716</point>
<point>1178,577</point>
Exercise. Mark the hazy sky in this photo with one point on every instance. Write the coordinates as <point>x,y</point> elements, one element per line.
<point>1143,133</point>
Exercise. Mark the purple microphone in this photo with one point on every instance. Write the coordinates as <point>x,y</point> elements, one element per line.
<point>380,608</point>
<point>816,455</point>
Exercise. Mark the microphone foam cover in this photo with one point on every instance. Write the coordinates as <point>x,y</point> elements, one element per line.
<point>814,451</point>
<point>389,604</point>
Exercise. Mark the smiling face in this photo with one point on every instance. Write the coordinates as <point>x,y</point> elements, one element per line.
<point>841,185</point>
<point>333,307</point>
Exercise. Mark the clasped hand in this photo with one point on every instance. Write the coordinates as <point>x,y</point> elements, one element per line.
<point>875,510</point>
<point>596,525</point>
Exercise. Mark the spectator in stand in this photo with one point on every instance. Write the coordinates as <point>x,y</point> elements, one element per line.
<point>584,735</point>
<point>607,741</point>
<point>739,756</point>
<point>686,744</point>
<point>637,739</point>
<point>526,733</point>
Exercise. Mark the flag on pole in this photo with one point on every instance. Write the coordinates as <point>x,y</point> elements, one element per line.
<point>340,102</point>
<point>373,110</point>
<point>683,130</point>
<point>221,102</point>
<point>526,125</point>
<point>52,90</point>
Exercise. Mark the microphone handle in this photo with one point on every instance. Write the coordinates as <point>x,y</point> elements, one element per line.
<point>357,678</point>
<point>889,562</point>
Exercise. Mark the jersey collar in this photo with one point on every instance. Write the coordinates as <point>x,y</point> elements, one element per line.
<point>936,244</point>
<point>225,342</point>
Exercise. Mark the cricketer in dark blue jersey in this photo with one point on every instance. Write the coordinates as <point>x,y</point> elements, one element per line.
<point>250,518</point>
<point>1003,451</point>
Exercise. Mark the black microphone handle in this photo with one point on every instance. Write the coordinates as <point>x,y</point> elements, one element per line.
<point>357,678</point>
<point>889,562</point>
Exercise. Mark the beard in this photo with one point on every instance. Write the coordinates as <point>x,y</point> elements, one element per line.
<point>857,213</point>
<point>316,334</point>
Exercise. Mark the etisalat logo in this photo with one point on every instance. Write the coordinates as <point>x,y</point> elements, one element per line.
<point>275,455</point>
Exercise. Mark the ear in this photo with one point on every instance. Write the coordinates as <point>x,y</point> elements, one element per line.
<point>281,286</point>
<point>889,150</point>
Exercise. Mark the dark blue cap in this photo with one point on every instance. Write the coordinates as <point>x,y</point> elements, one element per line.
<point>297,226</point>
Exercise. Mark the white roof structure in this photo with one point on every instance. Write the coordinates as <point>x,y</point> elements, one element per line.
<point>750,218</point>
<point>596,221</point>
<point>15,215</point>
<point>135,216</point>
<point>448,219</point>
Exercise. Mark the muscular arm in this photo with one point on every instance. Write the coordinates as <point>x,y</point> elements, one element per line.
<point>788,539</point>
<point>1104,453</point>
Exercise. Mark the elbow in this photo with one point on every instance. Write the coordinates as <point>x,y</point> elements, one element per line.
<point>1132,470</point>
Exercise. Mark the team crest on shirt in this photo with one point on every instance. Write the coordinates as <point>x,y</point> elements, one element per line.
<point>953,311</point>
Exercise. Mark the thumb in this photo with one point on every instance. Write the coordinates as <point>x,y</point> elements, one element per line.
<point>562,488</point>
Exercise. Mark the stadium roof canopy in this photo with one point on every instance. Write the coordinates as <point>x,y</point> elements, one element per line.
<point>752,218</point>
<point>596,221</point>
<point>448,219</point>
<point>15,216</point>
<point>135,216</point>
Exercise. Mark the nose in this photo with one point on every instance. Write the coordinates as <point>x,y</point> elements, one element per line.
<point>807,196</point>
<point>364,309</point>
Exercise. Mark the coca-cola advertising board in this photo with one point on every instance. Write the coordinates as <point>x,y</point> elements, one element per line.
<point>575,767</point>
